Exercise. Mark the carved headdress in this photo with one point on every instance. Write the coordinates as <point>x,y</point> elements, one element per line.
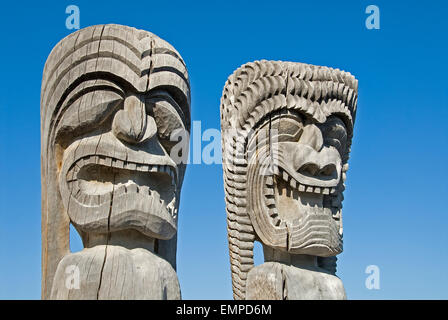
<point>309,107</point>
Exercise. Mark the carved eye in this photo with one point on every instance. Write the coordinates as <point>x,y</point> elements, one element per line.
<point>289,126</point>
<point>335,133</point>
<point>168,117</point>
<point>87,112</point>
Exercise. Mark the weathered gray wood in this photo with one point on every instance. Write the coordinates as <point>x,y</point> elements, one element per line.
<point>286,135</point>
<point>111,97</point>
<point>116,273</point>
<point>278,281</point>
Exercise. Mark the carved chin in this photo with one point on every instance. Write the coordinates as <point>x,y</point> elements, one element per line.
<point>102,194</point>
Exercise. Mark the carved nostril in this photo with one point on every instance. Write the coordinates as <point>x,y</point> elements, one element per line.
<point>309,169</point>
<point>312,169</point>
<point>328,170</point>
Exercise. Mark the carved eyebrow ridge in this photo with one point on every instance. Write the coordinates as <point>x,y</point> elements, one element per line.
<point>162,51</point>
<point>157,94</point>
<point>95,56</point>
<point>72,94</point>
<point>89,41</point>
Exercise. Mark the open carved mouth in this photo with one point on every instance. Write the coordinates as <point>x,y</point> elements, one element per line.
<point>92,178</point>
<point>322,176</point>
<point>296,205</point>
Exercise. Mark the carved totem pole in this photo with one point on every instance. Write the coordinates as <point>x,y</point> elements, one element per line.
<point>286,135</point>
<point>111,98</point>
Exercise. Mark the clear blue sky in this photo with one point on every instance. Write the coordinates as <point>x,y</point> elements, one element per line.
<point>395,208</point>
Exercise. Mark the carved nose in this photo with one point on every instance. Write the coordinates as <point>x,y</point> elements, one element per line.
<point>132,124</point>
<point>312,136</point>
<point>313,159</point>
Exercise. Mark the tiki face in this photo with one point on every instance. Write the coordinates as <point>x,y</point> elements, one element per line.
<point>301,192</point>
<point>116,170</point>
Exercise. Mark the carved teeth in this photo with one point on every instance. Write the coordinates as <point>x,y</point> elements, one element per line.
<point>337,215</point>
<point>142,167</point>
<point>293,183</point>
<point>144,190</point>
<point>269,192</point>
<point>120,189</point>
<point>300,187</point>
<point>117,163</point>
<point>132,188</point>
<point>108,162</point>
<point>270,201</point>
<point>71,176</point>
<point>102,161</point>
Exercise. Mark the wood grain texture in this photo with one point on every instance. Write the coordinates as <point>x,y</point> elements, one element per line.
<point>111,97</point>
<point>286,134</point>
<point>277,281</point>
<point>115,273</point>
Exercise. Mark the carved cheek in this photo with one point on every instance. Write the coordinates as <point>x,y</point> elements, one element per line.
<point>169,122</point>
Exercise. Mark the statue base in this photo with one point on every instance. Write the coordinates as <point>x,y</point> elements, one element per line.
<point>278,281</point>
